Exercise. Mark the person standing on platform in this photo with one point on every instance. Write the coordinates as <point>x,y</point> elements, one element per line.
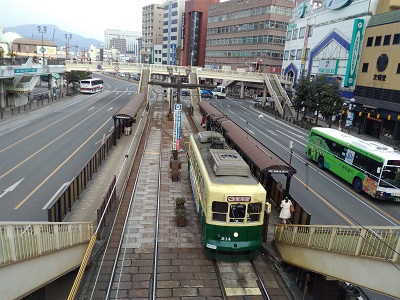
<point>285,210</point>
<point>127,127</point>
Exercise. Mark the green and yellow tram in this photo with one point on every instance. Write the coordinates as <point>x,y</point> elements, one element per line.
<point>229,199</point>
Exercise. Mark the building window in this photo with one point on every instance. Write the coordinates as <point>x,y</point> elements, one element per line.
<point>286,55</point>
<point>310,30</point>
<point>292,54</point>
<point>365,67</point>
<point>288,35</point>
<point>295,32</point>
<point>302,32</point>
<point>298,54</point>
<point>398,69</point>
<point>386,39</point>
<point>396,39</point>
<point>378,40</point>
<point>370,41</point>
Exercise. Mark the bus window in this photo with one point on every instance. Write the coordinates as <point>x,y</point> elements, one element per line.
<point>390,177</point>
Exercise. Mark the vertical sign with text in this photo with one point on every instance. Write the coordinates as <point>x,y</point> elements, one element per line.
<point>354,52</point>
<point>176,143</point>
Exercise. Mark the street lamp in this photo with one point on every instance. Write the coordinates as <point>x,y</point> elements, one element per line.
<point>67,37</point>
<point>42,31</point>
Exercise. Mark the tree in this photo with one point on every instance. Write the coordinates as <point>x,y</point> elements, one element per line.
<point>76,76</point>
<point>300,99</point>
<point>332,102</point>
<point>318,95</point>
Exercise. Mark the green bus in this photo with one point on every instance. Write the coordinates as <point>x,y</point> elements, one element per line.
<point>371,167</point>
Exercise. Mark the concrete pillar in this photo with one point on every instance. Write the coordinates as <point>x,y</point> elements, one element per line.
<point>49,81</point>
<point>242,90</point>
<point>2,96</point>
<point>61,85</point>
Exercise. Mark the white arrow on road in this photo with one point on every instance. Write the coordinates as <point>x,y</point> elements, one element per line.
<point>11,188</point>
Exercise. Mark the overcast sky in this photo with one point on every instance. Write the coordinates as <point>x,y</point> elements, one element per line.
<point>87,18</point>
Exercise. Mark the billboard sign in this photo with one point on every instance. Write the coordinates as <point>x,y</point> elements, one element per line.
<point>354,52</point>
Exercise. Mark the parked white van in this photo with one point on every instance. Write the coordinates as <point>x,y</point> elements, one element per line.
<point>219,92</point>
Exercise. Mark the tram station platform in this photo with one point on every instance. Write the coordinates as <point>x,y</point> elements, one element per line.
<point>84,209</point>
<point>280,285</point>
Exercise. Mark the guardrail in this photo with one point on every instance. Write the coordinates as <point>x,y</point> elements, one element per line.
<point>371,242</point>
<point>61,203</point>
<point>19,241</point>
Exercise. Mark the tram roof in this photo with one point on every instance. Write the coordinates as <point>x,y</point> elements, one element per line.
<point>130,109</point>
<point>212,111</point>
<point>261,156</point>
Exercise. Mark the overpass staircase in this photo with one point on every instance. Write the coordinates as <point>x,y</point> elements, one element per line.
<point>364,256</point>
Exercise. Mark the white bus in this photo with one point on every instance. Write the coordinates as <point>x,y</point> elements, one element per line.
<point>219,92</point>
<point>91,86</point>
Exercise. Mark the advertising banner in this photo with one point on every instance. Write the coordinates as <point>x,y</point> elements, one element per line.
<point>354,53</point>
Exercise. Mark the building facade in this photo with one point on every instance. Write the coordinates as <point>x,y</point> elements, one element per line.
<point>124,41</point>
<point>325,37</point>
<point>356,44</point>
<point>377,92</point>
<point>172,35</point>
<point>194,32</point>
<point>152,31</point>
<point>247,35</point>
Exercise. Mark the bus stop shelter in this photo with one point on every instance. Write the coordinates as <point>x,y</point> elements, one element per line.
<point>127,113</point>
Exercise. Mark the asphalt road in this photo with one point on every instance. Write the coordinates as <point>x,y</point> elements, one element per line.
<point>45,148</point>
<point>327,198</point>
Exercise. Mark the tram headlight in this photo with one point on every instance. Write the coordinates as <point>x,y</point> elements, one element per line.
<point>235,234</point>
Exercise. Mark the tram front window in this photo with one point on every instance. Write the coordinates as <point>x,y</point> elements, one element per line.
<point>219,211</point>
<point>237,212</point>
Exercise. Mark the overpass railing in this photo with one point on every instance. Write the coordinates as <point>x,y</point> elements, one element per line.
<point>369,242</point>
<point>113,66</point>
<point>23,240</point>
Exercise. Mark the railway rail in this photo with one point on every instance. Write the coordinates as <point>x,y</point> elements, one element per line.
<point>123,237</point>
<point>241,279</point>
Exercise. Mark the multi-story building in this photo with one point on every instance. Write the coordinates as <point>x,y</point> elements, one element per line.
<point>194,32</point>
<point>323,35</point>
<point>247,34</point>
<point>172,35</point>
<point>377,91</point>
<point>124,41</point>
<point>152,31</point>
<point>356,43</point>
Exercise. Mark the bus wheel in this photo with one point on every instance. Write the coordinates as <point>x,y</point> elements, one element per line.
<point>357,184</point>
<point>320,162</point>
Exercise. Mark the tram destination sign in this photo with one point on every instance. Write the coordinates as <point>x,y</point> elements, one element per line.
<point>239,198</point>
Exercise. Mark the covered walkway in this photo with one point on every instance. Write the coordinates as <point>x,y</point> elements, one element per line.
<point>127,114</point>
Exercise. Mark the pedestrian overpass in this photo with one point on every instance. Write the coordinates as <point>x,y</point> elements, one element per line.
<point>272,82</point>
<point>363,256</point>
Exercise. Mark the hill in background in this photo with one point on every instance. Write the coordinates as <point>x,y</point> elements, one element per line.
<point>55,35</point>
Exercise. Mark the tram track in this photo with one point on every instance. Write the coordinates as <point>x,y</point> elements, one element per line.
<point>241,279</point>
<point>126,243</point>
